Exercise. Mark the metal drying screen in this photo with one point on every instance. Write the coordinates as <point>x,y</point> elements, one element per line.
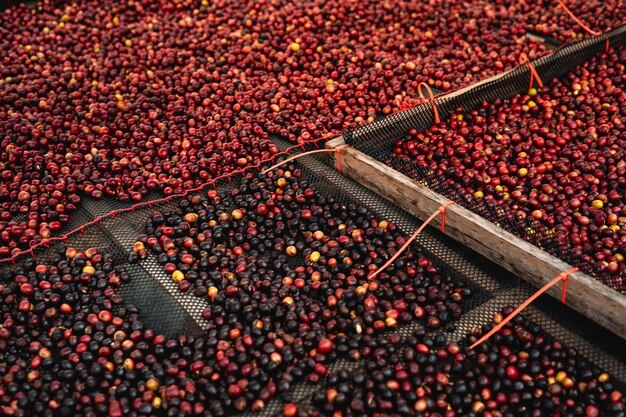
<point>164,308</point>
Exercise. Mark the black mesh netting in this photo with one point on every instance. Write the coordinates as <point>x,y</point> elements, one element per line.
<point>168,310</point>
<point>557,64</point>
<point>377,140</point>
<point>493,288</point>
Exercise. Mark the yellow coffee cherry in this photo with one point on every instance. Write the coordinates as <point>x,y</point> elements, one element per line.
<point>88,269</point>
<point>178,276</point>
<point>315,256</point>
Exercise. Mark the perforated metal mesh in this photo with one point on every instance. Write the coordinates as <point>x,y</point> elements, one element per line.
<point>160,306</point>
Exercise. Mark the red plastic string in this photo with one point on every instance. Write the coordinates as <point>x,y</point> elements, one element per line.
<point>281,163</point>
<point>565,275</point>
<point>585,27</point>
<point>561,277</point>
<point>150,203</point>
<point>577,20</point>
<point>523,58</point>
<point>447,92</point>
<point>431,99</point>
<point>338,152</point>
<point>338,156</point>
<point>441,210</point>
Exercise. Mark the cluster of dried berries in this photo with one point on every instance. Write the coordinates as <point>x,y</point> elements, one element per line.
<point>123,97</point>
<point>286,272</point>
<point>556,154</point>
<point>518,372</point>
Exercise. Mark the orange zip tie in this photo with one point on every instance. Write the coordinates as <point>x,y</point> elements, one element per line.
<point>338,152</point>
<point>561,277</point>
<point>338,156</point>
<point>523,58</point>
<point>338,149</point>
<point>441,210</point>
<point>431,99</point>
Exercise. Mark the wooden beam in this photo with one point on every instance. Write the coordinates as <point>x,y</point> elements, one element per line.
<point>598,302</point>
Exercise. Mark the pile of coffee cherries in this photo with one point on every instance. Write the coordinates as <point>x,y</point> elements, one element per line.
<point>118,98</point>
<point>67,346</point>
<point>287,272</point>
<point>557,154</point>
<point>518,372</point>
<point>547,18</point>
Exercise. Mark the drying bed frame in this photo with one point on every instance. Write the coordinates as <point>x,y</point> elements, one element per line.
<point>521,246</point>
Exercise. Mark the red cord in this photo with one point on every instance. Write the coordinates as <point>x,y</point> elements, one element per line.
<point>212,182</point>
<point>338,152</point>
<point>281,163</point>
<point>523,58</point>
<point>585,27</point>
<point>441,210</point>
<point>561,277</point>
<point>431,99</point>
<point>577,20</point>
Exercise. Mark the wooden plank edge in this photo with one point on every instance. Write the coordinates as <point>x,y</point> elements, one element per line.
<point>600,303</point>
